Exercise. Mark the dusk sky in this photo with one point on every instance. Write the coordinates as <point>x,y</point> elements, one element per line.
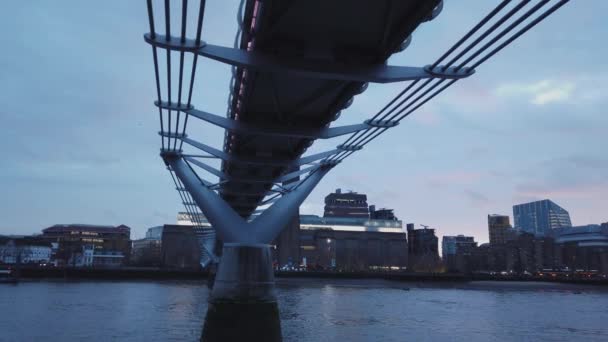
<point>80,143</point>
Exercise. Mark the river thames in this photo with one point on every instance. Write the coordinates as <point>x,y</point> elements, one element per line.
<point>311,310</point>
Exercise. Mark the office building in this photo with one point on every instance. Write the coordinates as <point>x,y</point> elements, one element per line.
<point>457,252</point>
<point>187,219</point>
<point>147,251</point>
<point>422,249</point>
<point>90,245</point>
<point>287,245</point>
<point>539,217</point>
<point>381,214</point>
<point>154,233</point>
<point>500,230</point>
<point>422,241</point>
<point>583,247</point>
<point>349,204</point>
<point>180,247</point>
<point>24,250</point>
<point>352,244</point>
<point>451,245</point>
<point>209,246</point>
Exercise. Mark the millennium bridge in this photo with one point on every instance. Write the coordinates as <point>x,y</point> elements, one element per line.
<point>296,67</point>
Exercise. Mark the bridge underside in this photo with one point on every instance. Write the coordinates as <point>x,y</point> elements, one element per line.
<point>356,33</point>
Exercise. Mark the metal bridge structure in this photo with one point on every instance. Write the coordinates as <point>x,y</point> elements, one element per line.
<point>296,66</point>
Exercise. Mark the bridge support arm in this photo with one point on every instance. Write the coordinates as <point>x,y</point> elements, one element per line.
<point>270,223</point>
<point>277,131</point>
<point>229,225</point>
<point>329,70</point>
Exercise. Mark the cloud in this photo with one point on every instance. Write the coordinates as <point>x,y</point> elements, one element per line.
<point>577,161</point>
<point>588,191</point>
<point>454,177</point>
<point>539,93</point>
<point>310,208</point>
<point>569,177</point>
<point>427,117</point>
<point>477,198</point>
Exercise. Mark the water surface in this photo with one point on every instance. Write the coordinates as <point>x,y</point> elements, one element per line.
<point>311,310</point>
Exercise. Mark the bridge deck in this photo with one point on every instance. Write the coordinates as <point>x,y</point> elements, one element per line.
<point>350,32</point>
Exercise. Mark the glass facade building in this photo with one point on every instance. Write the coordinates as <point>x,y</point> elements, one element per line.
<point>451,245</point>
<point>540,217</point>
<point>457,252</point>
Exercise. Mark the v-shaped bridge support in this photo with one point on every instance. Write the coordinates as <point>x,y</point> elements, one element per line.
<point>245,270</point>
<point>232,228</point>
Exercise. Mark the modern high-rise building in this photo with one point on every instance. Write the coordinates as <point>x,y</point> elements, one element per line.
<point>451,245</point>
<point>457,252</point>
<point>499,229</point>
<point>423,255</point>
<point>349,204</point>
<point>540,217</point>
<point>422,241</point>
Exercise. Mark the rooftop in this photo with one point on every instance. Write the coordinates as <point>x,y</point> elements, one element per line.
<point>58,228</point>
<point>314,219</point>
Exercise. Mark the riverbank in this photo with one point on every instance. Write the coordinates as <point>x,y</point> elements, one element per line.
<point>151,273</point>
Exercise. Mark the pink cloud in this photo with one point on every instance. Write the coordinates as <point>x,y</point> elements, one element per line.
<point>454,177</point>
<point>580,191</point>
<point>473,96</point>
<point>427,117</point>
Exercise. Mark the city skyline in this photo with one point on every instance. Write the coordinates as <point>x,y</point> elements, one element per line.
<point>507,136</point>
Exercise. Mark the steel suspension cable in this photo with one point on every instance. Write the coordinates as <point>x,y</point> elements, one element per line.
<point>405,90</point>
<point>156,74</point>
<point>367,133</point>
<point>492,28</point>
<point>503,33</point>
<point>520,32</point>
<point>199,27</point>
<point>181,68</point>
<point>476,28</point>
<point>179,187</point>
<point>401,114</point>
<point>167,37</point>
<point>471,32</point>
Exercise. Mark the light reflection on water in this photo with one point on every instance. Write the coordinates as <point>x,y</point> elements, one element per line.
<point>311,310</point>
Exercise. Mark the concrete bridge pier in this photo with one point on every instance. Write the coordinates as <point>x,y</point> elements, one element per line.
<point>244,274</point>
<point>243,304</point>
